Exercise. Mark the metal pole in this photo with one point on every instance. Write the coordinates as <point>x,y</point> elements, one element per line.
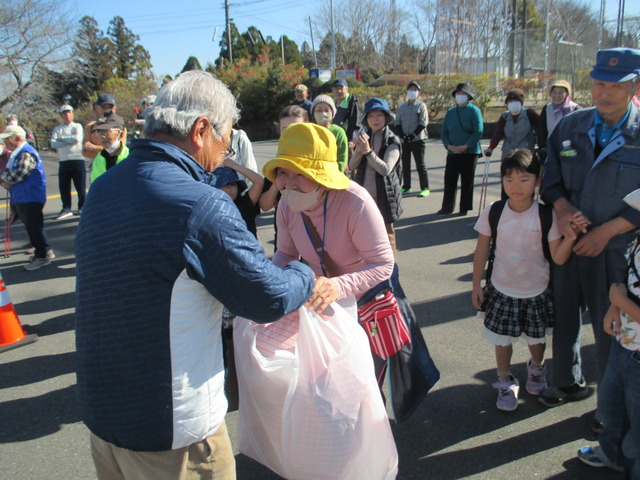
<point>226,13</point>
<point>282,48</point>
<point>546,45</point>
<point>333,42</point>
<point>313,47</point>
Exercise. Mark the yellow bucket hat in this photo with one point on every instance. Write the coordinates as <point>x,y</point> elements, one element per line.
<point>310,150</point>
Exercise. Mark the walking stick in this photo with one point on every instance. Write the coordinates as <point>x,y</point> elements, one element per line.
<point>7,227</point>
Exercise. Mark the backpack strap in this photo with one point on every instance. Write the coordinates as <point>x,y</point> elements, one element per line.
<point>494,217</point>
<point>546,219</point>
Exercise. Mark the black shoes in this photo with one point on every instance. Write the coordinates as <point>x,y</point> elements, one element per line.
<point>556,396</point>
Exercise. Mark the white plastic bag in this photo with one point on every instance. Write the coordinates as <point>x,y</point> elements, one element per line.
<point>310,407</point>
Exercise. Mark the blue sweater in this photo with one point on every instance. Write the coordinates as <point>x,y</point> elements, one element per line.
<point>158,253</point>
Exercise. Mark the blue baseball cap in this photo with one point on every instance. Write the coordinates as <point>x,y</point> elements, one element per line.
<point>340,81</point>
<point>224,176</point>
<point>616,65</point>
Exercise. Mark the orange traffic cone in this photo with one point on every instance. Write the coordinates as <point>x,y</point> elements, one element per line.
<point>12,335</point>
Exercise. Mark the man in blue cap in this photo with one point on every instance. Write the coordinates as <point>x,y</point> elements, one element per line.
<point>593,163</point>
<point>347,112</point>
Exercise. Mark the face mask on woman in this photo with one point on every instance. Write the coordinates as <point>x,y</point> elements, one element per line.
<point>462,98</point>
<point>514,107</point>
<point>322,118</point>
<point>300,201</point>
<point>412,94</point>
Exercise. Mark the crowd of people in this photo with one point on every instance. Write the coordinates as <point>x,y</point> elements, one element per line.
<point>155,405</point>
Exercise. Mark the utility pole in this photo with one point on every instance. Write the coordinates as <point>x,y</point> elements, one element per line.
<point>512,39</point>
<point>524,37</point>
<point>601,26</point>
<point>228,21</point>
<point>620,26</point>
<point>546,43</point>
<point>333,42</point>
<point>282,47</point>
<point>313,46</point>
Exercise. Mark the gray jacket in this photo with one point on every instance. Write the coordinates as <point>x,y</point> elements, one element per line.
<point>595,185</point>
<point>410,116</point>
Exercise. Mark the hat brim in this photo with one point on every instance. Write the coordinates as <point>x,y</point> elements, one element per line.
<point>331,178</point>
<point>613,77</point>
<point>390,117</point>
<point>453,94</point>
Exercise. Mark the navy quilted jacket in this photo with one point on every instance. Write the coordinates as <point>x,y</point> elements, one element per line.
<point>158,253</point>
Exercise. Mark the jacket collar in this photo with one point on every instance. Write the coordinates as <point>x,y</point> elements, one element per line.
<point>147,148</point>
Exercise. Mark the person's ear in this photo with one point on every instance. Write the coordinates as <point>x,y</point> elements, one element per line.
<point>200,131</point>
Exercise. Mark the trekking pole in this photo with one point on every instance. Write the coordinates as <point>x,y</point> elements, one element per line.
<point>485,185</point>
<point>7,227</point>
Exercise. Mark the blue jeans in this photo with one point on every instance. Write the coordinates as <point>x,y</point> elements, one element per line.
<point>619,405</point>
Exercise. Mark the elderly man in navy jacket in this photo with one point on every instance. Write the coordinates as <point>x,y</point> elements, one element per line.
<point>158,254</point>
<point>593,163</point>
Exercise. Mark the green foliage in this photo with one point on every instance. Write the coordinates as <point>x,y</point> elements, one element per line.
<point>130,58</point>
<point>262,87</point>
<point>192,64</point>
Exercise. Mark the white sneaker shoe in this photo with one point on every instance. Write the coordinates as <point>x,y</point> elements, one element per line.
<point>50,256</point>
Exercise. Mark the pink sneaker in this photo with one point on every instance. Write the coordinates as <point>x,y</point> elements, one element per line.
<point>507,394</point>
<point>536,379</point>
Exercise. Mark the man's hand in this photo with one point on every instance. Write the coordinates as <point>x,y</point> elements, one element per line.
<point>593,242</point>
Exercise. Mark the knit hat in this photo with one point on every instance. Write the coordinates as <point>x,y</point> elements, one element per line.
<point>616,65</point>
<point>224,176</point>
<point>310,150</point>
<point>324,99</point>
<point>563,84</point>
<point>515,94</point>
<point>465,88</point>
<point>377,104</point>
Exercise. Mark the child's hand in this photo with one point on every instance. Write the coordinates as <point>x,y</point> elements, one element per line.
<point>579,222</point>
<point>477,298</point>
<point>611,321</point>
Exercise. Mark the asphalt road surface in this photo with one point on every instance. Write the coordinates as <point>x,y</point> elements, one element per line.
<point>456,433</point>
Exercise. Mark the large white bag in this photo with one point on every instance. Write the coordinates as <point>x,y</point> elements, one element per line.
<point>310,407</point>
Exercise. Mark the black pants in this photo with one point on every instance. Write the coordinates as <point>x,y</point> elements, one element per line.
<point>72,170</point>
<point>418,149</point>
<point>463,166</point>
<point>31,216</point>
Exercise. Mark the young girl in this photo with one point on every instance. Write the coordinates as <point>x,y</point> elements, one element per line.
<point>517,298</point>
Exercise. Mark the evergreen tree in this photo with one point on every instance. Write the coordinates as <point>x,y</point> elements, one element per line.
<point>92,59</point>
<point>130,57</point>
<point>192,64</point>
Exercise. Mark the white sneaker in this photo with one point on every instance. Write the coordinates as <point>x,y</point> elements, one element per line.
<point>37,263</point>
<point>64,213</point>
<point>50,256</point>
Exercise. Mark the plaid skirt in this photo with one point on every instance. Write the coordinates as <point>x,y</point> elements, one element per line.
<point>512,317</point>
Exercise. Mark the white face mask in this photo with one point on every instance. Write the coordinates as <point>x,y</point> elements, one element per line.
<point>113,147</point>
<point>300,201</point>
<point>412,94</point>
<point>322,118</point>
<point>514,107</point>
<point>462,98</point>
<point>13,123</point>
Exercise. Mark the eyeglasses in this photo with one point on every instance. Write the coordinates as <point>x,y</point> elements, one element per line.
<point>104,133</point>
<point>230,153</point>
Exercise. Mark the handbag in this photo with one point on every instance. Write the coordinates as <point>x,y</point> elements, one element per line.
<point>381,317</point>
<point>382,320</point>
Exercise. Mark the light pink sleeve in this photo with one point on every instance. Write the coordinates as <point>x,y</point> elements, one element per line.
<point>368,234</point>
<point>482,225</point>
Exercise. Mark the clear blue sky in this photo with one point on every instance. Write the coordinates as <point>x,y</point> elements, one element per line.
<point>172,31</point>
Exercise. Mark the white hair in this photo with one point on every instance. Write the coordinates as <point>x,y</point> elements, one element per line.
<point>189,96</point>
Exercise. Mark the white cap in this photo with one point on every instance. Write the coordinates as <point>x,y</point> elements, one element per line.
<point>12,131</point>
<point>65,108</point>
